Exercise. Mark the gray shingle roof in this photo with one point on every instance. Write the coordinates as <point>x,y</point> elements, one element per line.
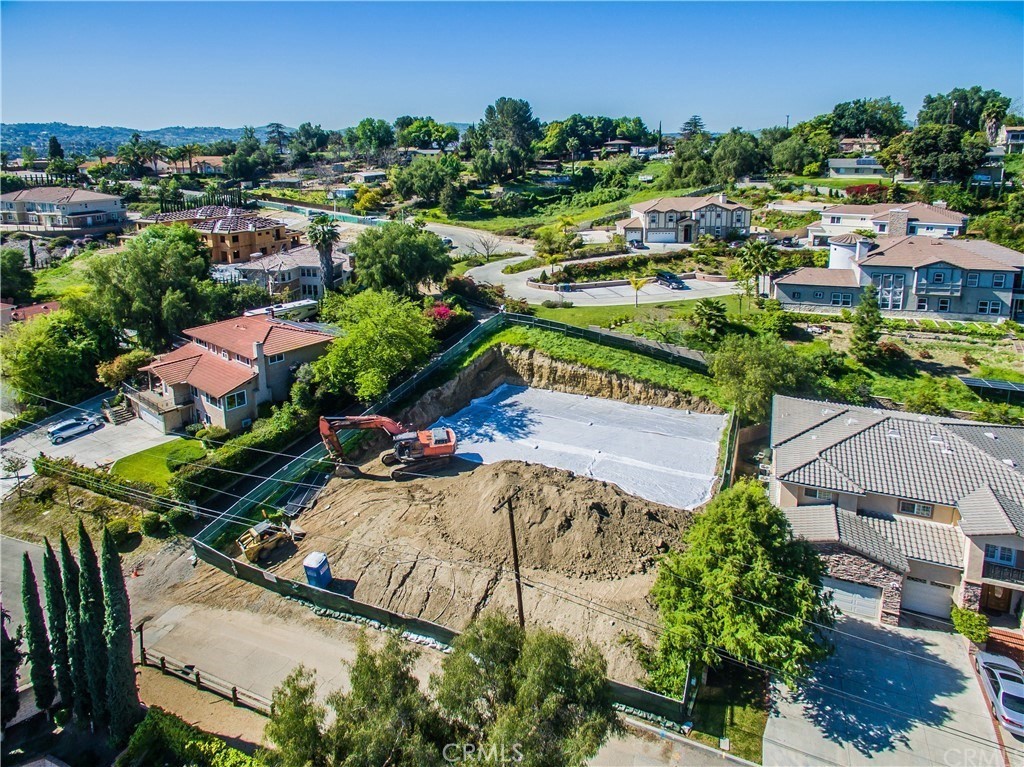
<point>827,524</point>
<point>982,514</point>
<point>919,539</point>
<point>814,523</point>
<point>854,449</point>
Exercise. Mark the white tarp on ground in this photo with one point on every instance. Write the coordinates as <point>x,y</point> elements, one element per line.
<point>657,453</point>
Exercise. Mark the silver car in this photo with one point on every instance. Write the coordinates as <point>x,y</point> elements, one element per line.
<point>72,427</point>
<point>1003,682</point>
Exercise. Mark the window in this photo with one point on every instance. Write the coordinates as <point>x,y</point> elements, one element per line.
<point>938,278</point>
<point>835,220</point>
<point>820,495</point>
<point>882,227</point>
<point>922,304</point>
<point>998,280</point>
<point>943,305</point>
<point>796,295</point>
<point>917,509</point>
<point>983,307</point>
<point>215,401</point>
<point>819,294</point>
<point>243,360</point>
<point>842,299</point>
<point>274,359</point>
<point>234,238</point>
<point>972,279</point>
<point>234,400</point>
<point>1001,554</point>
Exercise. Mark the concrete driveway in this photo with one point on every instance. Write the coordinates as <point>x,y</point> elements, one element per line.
<point>98,448</point>
<point>912,699</point>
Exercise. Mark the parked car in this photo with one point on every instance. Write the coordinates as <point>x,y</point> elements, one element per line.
<point>669,280</point>
<point>736,244</point>
<point>447,242</point>
<point>73,427</point>
<point>770,239</point>
<point>1003,683</point>
<point>787,242</point>
<point>637,245</point>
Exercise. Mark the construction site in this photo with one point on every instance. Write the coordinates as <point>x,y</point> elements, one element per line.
<point>584,476</point>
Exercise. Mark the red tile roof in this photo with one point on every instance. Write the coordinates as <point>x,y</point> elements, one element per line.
<point>34,310</point>
<point>238,334</point>
<point>198,367</point>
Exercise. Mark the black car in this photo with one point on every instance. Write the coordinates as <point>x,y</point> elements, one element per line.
<point>637,245</point>
<point>669,280</point>
<point>787,242</point>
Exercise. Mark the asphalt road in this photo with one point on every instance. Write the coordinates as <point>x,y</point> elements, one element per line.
<point>468,240</point>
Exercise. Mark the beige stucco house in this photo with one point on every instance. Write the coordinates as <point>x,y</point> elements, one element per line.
<point>684,219</point>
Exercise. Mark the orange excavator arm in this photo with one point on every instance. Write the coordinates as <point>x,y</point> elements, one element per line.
<point>331,425</point>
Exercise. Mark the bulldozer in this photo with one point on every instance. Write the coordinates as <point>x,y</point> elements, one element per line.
<point>411,452</point>
<point>262,538</point>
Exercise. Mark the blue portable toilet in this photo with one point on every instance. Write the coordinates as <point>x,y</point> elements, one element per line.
<point>318,570</point>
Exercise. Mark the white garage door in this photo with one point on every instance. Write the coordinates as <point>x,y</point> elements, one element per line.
<point>927,597</point>
<point>855,598</point>
<point>661,236</point>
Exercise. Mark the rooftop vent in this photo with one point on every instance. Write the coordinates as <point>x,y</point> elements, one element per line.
<point>892,434</point>
<point>947,451</point>
<point>991,435</point>
<point>922,418</point>
<point>827,411</point>
<point>935,439</point>
<point>1010,462</point>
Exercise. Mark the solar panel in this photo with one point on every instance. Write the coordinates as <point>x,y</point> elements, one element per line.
<point>992,383</point>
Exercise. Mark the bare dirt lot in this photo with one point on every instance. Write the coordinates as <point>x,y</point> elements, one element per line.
<point>436,548</point>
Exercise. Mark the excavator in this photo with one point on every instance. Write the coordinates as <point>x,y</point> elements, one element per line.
<point>410,452</point>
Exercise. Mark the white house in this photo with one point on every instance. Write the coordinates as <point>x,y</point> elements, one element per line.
<point>889,220</point>
<point>60,208</point>
<point>684,219</point>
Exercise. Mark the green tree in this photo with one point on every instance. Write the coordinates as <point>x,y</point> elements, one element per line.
<point>963,107</point>
<point>296,726</point>
<point>371,138</point>
<point>323,235</point>
<point>709,316</point>
<point>794,154</point>
<point>768,607</point>
<point>867,326</point>
<point>425,177</point>
<point>881,118</point>
<point>91,614</point>
<point>383,334</point>
<point>758,258</point>
<point>123,695</point>
<point>80,703</point>
<point>502,686</point>
<point>693,127</point>
<point>400,257</point>
<point>118,370</point>
<point>935,152</point>
<point>18,282</point>
<point>736,154</point>
<point>44,687</point>
<point>511,128</point>
<point>691,163</point>
<point>749,370</point>
<point>28,157</point>
<point>57,618</point>
<point>10,662</point>
<point>152,285</point>
<point>53,356</point>
<point>636,282</point>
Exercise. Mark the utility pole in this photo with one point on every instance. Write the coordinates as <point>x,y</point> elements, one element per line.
<point>515,555</point>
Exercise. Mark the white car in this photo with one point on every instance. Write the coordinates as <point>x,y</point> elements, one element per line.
<point>1003,682</point>
<point>73,426</point>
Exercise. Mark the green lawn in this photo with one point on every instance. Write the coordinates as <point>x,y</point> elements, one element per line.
<point>732,705</point>
<point>150,465</point>
<point>54,282</point>
<point>842,183</point>
<point>584,316</point>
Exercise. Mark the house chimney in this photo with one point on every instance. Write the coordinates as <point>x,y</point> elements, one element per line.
<point>722,198</point>
<point>259,362</point>
<point>899,219</point>
<point>270,309</point>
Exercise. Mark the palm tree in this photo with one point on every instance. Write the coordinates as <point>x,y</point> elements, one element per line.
<point>573,145</point>
<point>758,258</point>
<point>708,316</point>
<point>100,153</point>
<point>322,235</point>
<point>173,155</point>
<point>189,151</point>
<point>636,283</point>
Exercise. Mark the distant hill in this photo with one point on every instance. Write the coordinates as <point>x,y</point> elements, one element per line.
<point>82,138</point>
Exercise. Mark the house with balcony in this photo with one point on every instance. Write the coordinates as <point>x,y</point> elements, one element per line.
<point>684,219</point>
<point>1011,138</point>
<point>916,277</point>
<point>888,219</point>
<point>911,513</point>
<point>224,372</point>
<point>294,274</point>
<point>61,209</point>
<point>864,145</point>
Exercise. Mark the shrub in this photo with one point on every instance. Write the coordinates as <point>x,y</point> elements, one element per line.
<point>213,436</point>
<point>111,485</point>
<point>152,524</point>
<point>119,530</point>
<point>184,454</point>
<point>179,518</point>
<point>970,360</point>
<point>193,429</point>
<point>892,351</point>
<point>28,416</point>
<point>162,738</point>
<point>59,242</point>
<point>924,354</point>
<point>971,624</point>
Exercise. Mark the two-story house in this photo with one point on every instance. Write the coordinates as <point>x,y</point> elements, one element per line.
<point>236,239</point>
<point>294,274</point>
<point>888,219</point>
<point>920,277</point>
<point>684,219</point>
<point>1011,138</point>
<point>911,513</point>
<point>62,209</point>
<point>225,371</point>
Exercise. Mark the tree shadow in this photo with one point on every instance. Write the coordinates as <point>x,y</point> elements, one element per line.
<point>504,419</point>
<point>871,697</point>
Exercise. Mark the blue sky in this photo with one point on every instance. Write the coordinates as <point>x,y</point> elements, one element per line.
<point>149,65</point>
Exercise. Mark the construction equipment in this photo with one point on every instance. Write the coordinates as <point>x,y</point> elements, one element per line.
<point>261,538</point>
<point>411,451</point>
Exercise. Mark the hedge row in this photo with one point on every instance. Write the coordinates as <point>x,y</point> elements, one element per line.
<point>164,739</point>
<point>98,481</point>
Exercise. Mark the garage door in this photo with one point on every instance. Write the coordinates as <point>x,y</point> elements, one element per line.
<point>927,597</point>
<point>855,598</point>
<point>661,236</point>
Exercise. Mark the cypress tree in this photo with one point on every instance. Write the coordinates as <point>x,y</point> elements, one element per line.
<point>10,660</point>
<point>57,618</point>
<point>76,654</point>
<point>122,694</point>
<point>91,616</point>
<point>39,656</point>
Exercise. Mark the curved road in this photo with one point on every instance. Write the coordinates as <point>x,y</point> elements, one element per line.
<point>651,293</point>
